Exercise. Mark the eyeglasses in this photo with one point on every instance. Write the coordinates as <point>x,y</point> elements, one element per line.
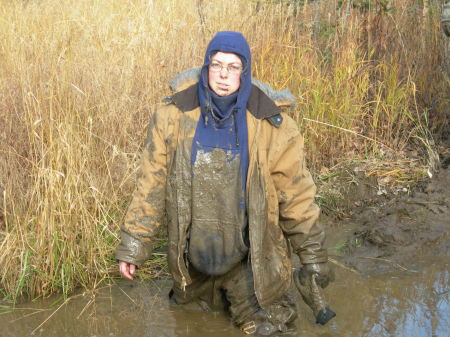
<point>232,68</point>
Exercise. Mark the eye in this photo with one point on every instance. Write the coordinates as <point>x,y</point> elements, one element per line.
<point>235,68</point>
<point>215,66</point>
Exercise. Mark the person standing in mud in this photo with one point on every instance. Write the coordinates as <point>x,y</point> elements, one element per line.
<point>224,168</point>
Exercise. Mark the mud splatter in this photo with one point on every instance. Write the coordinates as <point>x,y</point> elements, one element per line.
<point>218,220</point>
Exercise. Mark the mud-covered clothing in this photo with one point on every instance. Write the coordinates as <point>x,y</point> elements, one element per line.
<point>219,166</point>
<point>235,292</point>
<point>218,220</point>
<point>279,194</point>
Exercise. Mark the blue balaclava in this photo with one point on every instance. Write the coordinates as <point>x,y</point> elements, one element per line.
<point>225,112</point>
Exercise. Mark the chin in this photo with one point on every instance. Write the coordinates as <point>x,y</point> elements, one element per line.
<point>222,93</point>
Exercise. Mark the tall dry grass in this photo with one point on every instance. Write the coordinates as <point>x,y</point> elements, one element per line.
<point>78,82</point>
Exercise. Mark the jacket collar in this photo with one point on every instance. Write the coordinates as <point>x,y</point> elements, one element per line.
<point>259,104</point>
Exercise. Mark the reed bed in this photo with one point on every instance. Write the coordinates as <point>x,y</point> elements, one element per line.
<point>79,80</point>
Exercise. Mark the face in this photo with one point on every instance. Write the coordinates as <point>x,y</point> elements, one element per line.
<point>224,82</point>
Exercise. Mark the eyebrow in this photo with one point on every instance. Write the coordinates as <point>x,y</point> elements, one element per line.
<point>236,63</point>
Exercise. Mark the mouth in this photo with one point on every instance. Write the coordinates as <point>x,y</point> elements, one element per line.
<point>222,86</point>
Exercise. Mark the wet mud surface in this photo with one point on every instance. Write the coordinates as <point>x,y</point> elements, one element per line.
<point>398,303</point>
<point>391,259</point>
<point>385,232</point>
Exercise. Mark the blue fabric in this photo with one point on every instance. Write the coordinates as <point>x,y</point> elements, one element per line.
<point>233,119</point>
<point>222,106</point>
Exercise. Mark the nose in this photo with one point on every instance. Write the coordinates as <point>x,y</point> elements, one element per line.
<point>224,72</point>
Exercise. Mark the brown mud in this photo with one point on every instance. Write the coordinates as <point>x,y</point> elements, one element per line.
<point>386,233</point>
<point>391,258</point>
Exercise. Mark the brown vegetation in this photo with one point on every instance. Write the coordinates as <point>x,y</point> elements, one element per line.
<point>78,81</point>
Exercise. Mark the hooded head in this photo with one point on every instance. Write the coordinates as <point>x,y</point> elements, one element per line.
<point>227,48</point>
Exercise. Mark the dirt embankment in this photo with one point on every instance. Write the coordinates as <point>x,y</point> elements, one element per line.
<point>387,231</point>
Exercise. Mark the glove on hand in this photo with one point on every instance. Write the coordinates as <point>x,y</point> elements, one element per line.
<point>325,274</point>
<point>308,280</point>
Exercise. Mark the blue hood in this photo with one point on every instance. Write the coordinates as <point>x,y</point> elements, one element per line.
<point>229,42</point>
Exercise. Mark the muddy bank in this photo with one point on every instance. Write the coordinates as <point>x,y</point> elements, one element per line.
<point>386,231</point>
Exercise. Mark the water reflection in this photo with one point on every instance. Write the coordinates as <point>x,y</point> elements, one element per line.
<point>390,304</point>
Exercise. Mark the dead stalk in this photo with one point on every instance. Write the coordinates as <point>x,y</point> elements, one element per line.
<point>77,93</point>
<point>333,261</point>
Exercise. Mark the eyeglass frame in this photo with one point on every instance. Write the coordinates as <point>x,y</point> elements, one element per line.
<point>227,67</point>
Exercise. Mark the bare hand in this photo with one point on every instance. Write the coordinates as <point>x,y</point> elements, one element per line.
<point>127,269</point>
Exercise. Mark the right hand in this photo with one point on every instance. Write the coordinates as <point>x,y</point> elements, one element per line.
<point>127,269</point>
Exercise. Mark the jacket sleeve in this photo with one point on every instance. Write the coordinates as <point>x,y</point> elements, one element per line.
<point>298,213</point>
<point>147,208</point>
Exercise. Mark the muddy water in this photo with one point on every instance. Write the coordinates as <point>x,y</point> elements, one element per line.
<point>380,299</point>
<point>396,303</point>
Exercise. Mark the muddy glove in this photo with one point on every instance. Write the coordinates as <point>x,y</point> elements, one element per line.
<point>324,273</point>
<point>309,280</point>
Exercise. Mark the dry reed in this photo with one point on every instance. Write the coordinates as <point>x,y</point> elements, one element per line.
<point>78,81</point>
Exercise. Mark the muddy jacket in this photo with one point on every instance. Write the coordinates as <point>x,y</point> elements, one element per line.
<point>280,194</point>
